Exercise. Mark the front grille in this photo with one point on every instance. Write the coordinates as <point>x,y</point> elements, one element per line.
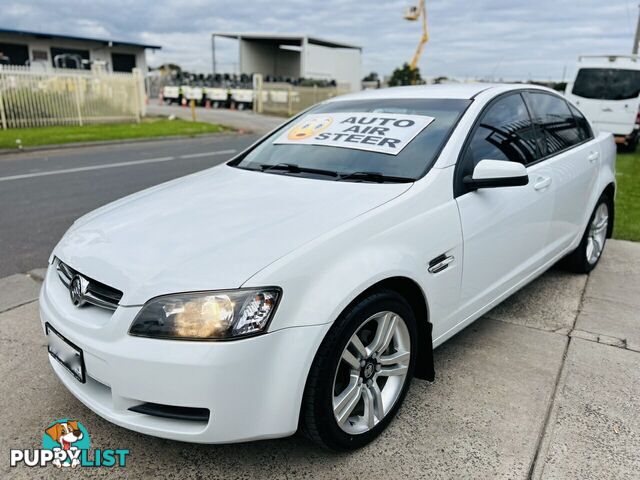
<point>91,291</point>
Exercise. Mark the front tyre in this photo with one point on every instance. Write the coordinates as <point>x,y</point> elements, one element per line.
<point>585,258</point>
<point>361,373</point>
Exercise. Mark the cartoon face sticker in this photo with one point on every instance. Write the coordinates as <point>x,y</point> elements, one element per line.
<point>309,127</point>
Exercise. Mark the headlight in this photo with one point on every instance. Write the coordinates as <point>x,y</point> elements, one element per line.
<point>218,315</point>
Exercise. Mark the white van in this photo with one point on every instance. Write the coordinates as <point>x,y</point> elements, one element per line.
<point>607,90</point>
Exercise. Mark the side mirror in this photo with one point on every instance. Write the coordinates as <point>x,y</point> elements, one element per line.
<point>496,173</point>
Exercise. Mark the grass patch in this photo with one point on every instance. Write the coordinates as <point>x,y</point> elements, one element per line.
<point>627,221</point>
<point>148,128</point>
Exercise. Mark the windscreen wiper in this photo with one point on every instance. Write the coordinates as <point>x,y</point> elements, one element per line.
<point>293,168</point>
<point>376,177</point>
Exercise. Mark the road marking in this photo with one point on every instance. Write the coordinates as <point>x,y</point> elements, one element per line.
<point>208,154</point>
<point>108,165</point>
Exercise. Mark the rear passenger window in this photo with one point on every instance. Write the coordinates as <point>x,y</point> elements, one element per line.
<point>584,129</point>
<point>557,125</point>
<point>505,132</point>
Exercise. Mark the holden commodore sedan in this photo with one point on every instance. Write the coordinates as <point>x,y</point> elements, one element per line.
<point>303,284</point>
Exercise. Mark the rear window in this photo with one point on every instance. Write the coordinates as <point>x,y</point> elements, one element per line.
<point>583,125</point>
<point>555,121</point>
<point>607,83</point>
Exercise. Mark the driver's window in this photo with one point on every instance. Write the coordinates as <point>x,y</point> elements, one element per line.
<point>505,132</point>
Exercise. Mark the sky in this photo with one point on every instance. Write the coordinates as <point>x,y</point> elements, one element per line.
<point>490,39</point>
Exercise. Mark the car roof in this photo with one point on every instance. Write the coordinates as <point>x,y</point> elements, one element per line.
<point>627,62</point>
<point>457,91</point>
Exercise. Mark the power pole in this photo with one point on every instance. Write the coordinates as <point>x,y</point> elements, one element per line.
<point>636,40</point>
<point>213,53</point>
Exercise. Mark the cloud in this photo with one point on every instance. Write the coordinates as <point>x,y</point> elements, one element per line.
<point>499,38</point>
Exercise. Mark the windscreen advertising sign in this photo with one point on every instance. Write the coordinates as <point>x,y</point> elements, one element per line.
<point>375,132</point>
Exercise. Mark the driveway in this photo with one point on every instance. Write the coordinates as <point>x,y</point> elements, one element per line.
<point>547,385</point>
<point>244,120</point>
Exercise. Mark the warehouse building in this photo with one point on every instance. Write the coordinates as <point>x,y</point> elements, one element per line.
<point>296,56</point>
<point>19,47</point>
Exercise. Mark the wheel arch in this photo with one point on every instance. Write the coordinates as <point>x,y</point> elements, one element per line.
<point>610,192</point>
<point>415,296</point>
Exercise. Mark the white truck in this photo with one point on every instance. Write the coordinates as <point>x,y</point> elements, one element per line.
<point>217,96</point>
<point>193,93</point>
<point>242,98</point>
<point>607,89</point>
<point>171,94</point>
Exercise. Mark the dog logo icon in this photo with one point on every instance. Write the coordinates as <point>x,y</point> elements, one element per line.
<point>68,436</point>
<point>66,443</point>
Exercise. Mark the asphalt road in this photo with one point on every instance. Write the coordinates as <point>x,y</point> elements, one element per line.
<point>42,193</point>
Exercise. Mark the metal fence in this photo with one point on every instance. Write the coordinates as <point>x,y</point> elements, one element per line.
<point>31,98</point>
<point>286,99</point>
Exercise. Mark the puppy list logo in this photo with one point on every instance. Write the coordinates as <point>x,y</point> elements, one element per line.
<point>66,443</point>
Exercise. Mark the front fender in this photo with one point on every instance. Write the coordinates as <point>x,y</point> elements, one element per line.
<point>398,239</point>
<point>320,291</point>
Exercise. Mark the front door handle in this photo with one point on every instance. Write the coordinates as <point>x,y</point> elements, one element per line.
<point>593,157</point>
<point>542,183</point>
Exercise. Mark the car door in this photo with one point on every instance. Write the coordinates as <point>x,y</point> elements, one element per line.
<point>504,229</point>
<point>571,154</point>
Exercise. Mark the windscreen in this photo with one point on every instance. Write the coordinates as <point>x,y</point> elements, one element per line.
<point>607,83</point>
<point>390,137</point>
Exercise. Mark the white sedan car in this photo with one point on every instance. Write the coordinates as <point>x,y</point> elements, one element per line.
<point>305,282</point>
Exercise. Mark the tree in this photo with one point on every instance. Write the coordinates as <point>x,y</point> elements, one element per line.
<point>167,68</point>
<point>372,77</point>
<point>405,76</point>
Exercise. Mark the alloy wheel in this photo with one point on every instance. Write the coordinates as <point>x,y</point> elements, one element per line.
<point>597,233</point>
<point>371,373</point>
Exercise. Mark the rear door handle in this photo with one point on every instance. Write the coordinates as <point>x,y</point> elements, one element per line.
<point>593,157</point>
<point>542,183</point>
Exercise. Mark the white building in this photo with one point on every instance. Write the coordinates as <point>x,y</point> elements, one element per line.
<point>296,56</point>
<point>18,47</point>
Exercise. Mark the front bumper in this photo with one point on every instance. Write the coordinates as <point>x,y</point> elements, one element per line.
<point>252,387</point>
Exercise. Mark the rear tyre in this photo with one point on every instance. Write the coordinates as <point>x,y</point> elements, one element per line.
<point>631,146</point>
<point>361,373</point>
<point>585,258</point>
